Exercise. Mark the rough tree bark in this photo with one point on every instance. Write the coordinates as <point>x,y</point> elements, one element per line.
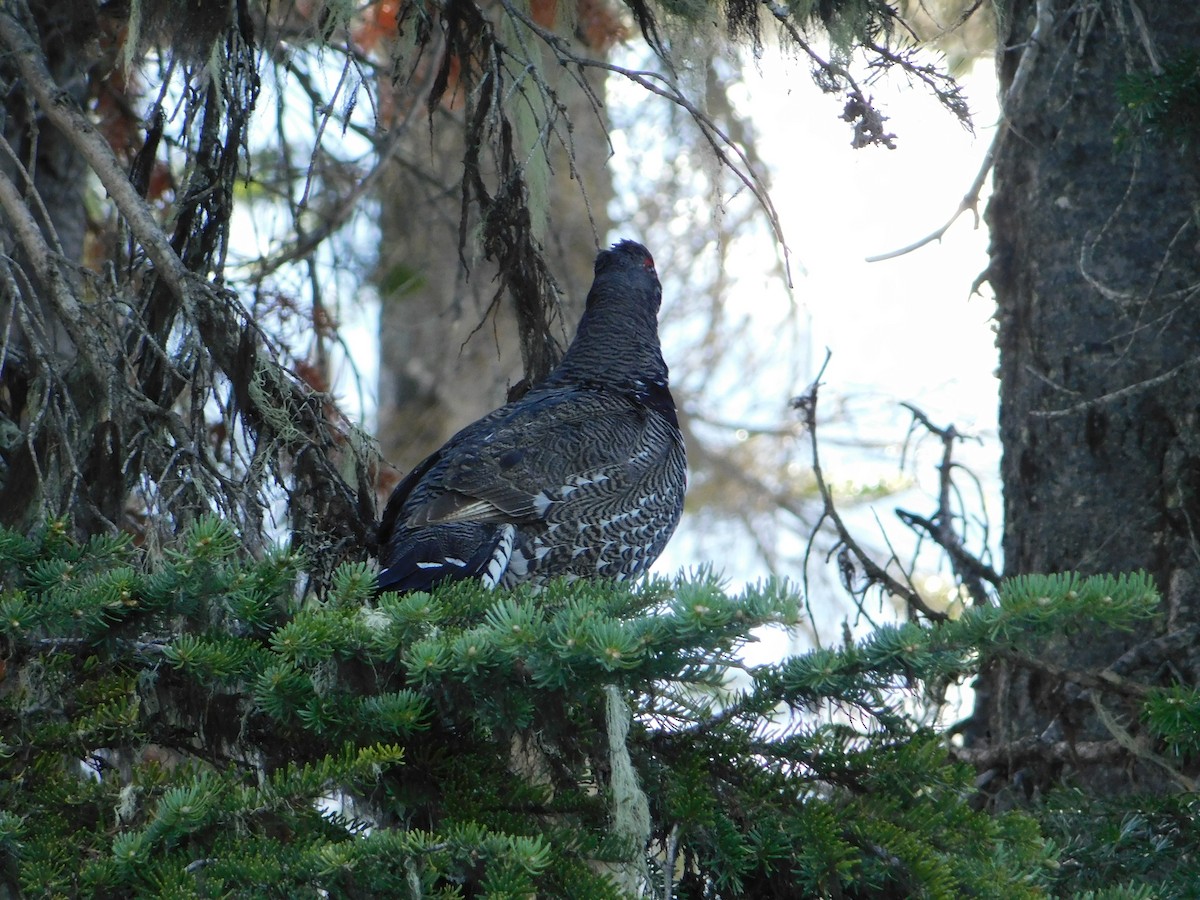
<point>446,355</point>
<point>1095,270</point>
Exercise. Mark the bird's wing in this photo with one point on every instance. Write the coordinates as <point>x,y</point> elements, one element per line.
<point>423,483</point>
<point>400,496</point>
<point>510,468</point>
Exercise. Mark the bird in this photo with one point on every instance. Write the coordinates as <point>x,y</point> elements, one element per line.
<point>582,477</point>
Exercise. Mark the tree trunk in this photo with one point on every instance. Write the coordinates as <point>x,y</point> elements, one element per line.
<point>1095,269</point>
<point>447,356</point>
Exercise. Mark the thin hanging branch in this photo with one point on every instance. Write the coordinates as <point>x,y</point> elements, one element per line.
<point>188,335</point>
<point>725,148</point>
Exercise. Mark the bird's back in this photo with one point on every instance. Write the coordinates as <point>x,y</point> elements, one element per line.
<point>583,477</point>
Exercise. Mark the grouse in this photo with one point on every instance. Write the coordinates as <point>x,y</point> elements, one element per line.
<point>582,477</point>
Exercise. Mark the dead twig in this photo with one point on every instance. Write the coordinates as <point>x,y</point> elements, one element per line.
<point>850,554</point>
<point>70,120</point>
<point>1103,680</point>
<point>969,569</point>
<point>1015,754</point>
<point>726,149</point>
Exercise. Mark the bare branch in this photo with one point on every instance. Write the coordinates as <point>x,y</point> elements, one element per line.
<point>1012,96</point>
<point>55,273</point>
<point>969,569</point>
<point>969,202</point>
<point>1105,680</point>
<point>1117,395</point>
<point>77,128</point>
<point>1019,753</point>
<point>725,148</point>
<point>806,403</point>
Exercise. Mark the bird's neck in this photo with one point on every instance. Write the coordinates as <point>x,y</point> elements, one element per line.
<point>616,345</point>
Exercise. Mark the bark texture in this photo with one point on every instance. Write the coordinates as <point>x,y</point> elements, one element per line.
<point>449,351</point>
<point>1095,269</point>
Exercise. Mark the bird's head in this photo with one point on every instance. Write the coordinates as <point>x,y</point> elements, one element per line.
<point>626,254</point>
<point>617,340</point>
<point>626,271</point>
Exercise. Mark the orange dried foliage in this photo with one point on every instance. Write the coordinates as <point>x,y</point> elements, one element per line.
<point>161,181</point>
<point>544,12</point>
<point>313,375</point>
<point>113,115</point>
<point>218,434</point>
<point>386,479</point>
<point>113,94</point>
<point>453,98</point>
<point>323,321</point>
<point>599,26</point>
<point>377,23</point>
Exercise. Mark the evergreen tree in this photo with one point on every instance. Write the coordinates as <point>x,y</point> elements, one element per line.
<point>183,726</point>
<point>188,710</point>
<point>1094,204</point>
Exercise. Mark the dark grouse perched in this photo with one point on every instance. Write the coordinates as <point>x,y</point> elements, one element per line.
<point>582,477</point>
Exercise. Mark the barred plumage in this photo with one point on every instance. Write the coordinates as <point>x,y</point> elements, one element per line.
<point>582,477</point>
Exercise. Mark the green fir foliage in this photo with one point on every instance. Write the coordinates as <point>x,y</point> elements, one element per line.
<point>188,725</point>
<point>1163,104</point>
<point>1117,849</point>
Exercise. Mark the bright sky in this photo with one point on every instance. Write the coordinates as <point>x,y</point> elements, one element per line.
<point>907,326</point>
<point>906,329</point>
